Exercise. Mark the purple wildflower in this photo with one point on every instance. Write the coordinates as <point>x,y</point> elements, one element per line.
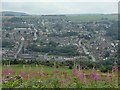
<point>31,74</point>
<point>23,74</point>
<point>42,74</point>
<point>93,75</point>
<point>115,68</point>
<point>108,79</point>
<point>7,72</point>
<point>81,76</point>
<point>75,72</point>
<point>99,77</point>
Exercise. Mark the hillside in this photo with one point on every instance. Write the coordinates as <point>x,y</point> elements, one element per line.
<point>92,17</point>
<point>11,13</point>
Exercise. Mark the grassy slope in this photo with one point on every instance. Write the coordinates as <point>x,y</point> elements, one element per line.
<point>46,69</point>
<point>91,17</point>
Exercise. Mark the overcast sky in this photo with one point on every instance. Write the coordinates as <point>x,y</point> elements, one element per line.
<point>61,7</point>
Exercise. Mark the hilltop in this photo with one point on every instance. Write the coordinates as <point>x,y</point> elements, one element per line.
<point>12,13</point>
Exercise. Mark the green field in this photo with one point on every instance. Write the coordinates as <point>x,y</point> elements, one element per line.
<point>34,68</point>
<point>46,69</point>
<point>92,17</point>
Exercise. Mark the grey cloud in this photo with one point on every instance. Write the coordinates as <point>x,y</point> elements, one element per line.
<point>61,7</point>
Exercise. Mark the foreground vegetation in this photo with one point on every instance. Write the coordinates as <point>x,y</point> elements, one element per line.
<point>40,76</point>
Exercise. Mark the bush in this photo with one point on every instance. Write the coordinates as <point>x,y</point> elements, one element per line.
<point>70,67</point>
<point>103,69</point>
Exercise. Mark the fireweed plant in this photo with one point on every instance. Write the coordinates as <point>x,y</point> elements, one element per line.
<point>77,78</point>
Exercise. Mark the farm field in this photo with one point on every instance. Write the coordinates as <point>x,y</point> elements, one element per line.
<point>39,76</point>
